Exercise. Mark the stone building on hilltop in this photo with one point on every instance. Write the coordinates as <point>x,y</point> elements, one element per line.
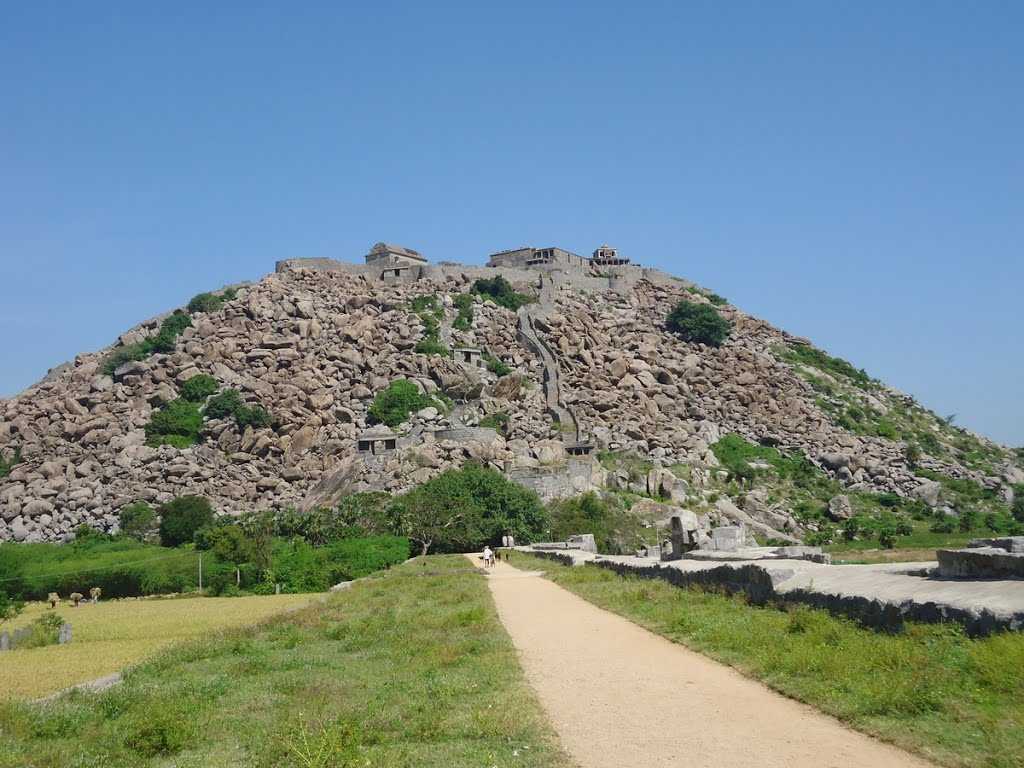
<point>606,256</point>
<point>538,257</point>
<point>397,255</point>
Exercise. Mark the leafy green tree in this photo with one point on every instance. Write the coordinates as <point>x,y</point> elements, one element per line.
<point>199,387</point>
<point>393,405</point>
<point>615,530</point>
<point>230,544</point>
<point>698,323</point>
<point>462,509</point>
<point>178,423</point>
<point>182,517</point>
<point>138,521</point>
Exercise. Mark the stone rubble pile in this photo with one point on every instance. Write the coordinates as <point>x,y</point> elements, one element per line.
<point>314,347</point>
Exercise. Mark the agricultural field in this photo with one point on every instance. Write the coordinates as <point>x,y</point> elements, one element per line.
<point>115,634</point>
<point>408,667</point>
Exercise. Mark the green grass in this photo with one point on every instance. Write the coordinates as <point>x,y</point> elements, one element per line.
<point>815,358</point>
<point>412,668</point>
<point>930,690</point>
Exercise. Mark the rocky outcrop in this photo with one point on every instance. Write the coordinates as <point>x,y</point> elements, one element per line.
<point>313,347</point>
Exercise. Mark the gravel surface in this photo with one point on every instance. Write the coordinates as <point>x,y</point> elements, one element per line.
<point>619,695</point>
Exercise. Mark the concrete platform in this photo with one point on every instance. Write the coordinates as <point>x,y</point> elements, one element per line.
<point>881,596</point>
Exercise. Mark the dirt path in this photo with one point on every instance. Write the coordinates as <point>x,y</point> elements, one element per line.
<point>619,695</point>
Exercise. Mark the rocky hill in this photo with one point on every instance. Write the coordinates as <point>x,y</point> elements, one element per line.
<point>582,388</point>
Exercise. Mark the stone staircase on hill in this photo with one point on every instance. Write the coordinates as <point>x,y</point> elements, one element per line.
<point>571,431</point>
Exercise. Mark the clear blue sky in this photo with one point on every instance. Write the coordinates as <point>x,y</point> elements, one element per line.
<point>851,172</point>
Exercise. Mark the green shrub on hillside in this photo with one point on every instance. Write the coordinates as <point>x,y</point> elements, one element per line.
<point>8,463</point>
<point>836,366</point>
<point>431,346</point>
<point>211,302</point>
<point>714,298</point>
<point>393,405</point>
<point>254,416</point>
<point>139,521</point>
<point>464,305</point>
<point>499,290</point>
<point>164,342</point>
<point>182,517</point>
<point>430,312</point>
<point>615,530</point>
<point>229,405</point>
<point>224,405</point>
<point>178,423</point>
<point>698,324</point>
<point>498,421</point>
<point>199,387</point>
<point>496,366</point>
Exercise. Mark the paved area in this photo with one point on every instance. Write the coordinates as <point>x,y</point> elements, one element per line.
<point>904,586</point>
<point>619,695</point>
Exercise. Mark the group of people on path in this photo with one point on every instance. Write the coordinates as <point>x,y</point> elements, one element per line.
<point>491,555</point>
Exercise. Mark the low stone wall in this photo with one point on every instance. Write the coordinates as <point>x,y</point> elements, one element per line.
<point>556,555</point>
<point>746,579</point>
<point>764,586</point>
<point>570,479</point>
<point>468,434</point>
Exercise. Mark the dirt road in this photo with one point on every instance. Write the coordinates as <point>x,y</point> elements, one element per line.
<point>619,695</point>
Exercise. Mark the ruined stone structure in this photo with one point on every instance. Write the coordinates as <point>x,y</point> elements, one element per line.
<point>398,255</point>
<point>377,441</point>
<point>471,356</point>
<point>527,257</point>
<point>606,256</point>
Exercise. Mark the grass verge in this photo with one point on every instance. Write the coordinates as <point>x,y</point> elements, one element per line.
<point>408,668</point>
<point>930,690</point>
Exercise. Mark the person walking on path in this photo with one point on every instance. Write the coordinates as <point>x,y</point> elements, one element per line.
<point>488,557</point>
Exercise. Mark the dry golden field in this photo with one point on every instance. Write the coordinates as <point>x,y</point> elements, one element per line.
<point>112,635</point>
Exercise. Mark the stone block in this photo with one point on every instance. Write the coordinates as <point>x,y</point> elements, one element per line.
<point>981,563</point>
<point>727,538</point>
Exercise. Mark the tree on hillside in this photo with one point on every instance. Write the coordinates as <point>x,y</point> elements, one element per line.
<point>230,544</point>
<point>181,518</point>
<point>138,521</point>
<point>698,323</point>
<point>462,509</point>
